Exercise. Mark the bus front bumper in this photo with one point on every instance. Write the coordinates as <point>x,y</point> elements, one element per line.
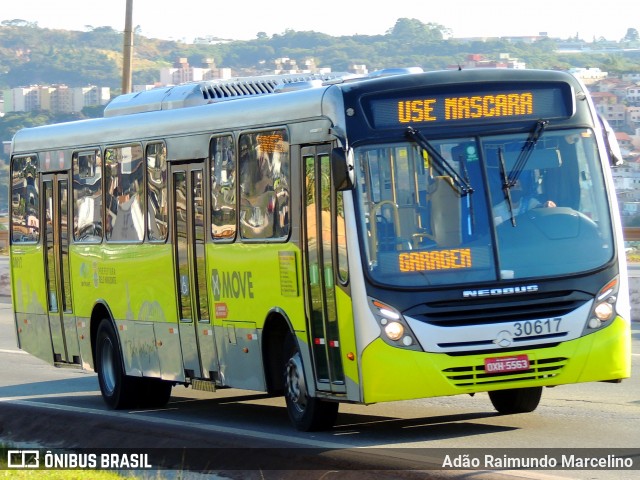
<point>390,373</point>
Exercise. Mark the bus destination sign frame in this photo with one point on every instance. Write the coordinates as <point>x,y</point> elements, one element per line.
<point>497,103</point>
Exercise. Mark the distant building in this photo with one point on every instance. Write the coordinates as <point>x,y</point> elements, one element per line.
<point>609,107</point>
<point>624,141</point>
<point>182,72</point>
<point>286,65</point>
<point>56,98</point>
<point>515,39</point>
<point>633,77</point>
<point>358,69</point>
<point>633,118</point>
<point>589,75</point>
<point>633,95</point>
<point>478,60</point>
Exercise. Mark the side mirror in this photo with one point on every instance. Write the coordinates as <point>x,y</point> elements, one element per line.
<point>611,142</point>
<point>340,170</point>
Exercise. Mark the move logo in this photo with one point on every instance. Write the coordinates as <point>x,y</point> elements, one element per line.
<point>234,284</point>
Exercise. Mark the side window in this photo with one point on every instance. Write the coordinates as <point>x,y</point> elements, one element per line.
<point>87,196</point>
<point>124,176</point>
<point>25,200</point>
<point>264,185</point>
<point>223,188</point>
<point>157,212</point>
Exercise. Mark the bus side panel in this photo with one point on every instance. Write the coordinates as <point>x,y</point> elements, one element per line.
<point>137,285</point>
<point>246,283</point>
<point>391,374</point>
<point>348,344</point>
<point>30,301</point>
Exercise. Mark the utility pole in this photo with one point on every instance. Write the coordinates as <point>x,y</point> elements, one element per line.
<point>128,49</point>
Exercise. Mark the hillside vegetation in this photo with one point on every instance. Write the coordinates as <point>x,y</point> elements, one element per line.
<point>31,55</point>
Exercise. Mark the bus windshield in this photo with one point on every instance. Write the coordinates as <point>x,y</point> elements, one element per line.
<point>528,209</point>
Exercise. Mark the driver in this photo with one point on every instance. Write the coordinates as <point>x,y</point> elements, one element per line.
<point>522,200</point>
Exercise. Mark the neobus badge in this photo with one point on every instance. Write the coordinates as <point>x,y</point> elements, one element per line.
<point>491,292</point>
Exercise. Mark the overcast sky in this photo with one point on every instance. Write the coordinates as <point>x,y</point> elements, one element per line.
<point>242,20</point>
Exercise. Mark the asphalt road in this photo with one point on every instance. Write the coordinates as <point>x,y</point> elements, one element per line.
<point>241,434</point>
<point>53,408</point>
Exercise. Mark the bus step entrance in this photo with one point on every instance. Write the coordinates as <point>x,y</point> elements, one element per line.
<point>203,385</point>
<point>58,362</point>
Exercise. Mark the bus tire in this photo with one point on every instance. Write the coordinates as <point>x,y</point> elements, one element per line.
<point>117,389</point>
<point>154,392</point>
<point>517,400</point>
<point>306,413</point>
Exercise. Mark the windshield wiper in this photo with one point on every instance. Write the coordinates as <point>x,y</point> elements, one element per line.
<point>506,186</point>
<point>525,153</point>
<point>441,164</point>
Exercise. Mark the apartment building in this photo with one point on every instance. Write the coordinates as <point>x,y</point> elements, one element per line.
<point>183,72</point>
<point>55,98</point>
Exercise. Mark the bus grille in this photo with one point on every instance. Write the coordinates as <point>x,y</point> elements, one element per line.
<point>474,375</point>
<point>458,313</point>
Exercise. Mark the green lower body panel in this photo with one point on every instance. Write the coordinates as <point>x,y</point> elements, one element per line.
<point>390,374</point>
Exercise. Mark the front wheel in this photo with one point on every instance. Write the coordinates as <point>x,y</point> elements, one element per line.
<point>517,400</point>
<point>306,413</point>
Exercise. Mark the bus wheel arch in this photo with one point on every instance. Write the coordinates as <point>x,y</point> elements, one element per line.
<point>100,312</point>
<point>276,328</point>
<point>306,413</point>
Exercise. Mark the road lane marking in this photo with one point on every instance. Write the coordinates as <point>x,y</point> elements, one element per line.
<point>21,352</point>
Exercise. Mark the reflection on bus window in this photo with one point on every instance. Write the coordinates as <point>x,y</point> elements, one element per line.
<point>25,200</point>
<point>264,185</point>
<point>87,196</point>
<point>157,192</point>
<point>223,188</point>
<point>124,172</point>
<point>341,239</point>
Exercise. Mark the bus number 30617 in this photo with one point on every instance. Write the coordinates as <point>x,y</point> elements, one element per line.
<point>537,327</point>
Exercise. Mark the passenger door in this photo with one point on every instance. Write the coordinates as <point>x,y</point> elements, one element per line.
<point>64,336</point>
<point>321,269</point>
<point>189,222</point>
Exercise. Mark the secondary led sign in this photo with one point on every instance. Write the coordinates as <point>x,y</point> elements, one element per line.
<point>452,259</point>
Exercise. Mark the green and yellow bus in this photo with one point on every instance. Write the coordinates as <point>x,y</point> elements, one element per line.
<point>396,236</point>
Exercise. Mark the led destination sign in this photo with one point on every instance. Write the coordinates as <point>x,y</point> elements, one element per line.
<point>457,108</point>
<point>495,105</point>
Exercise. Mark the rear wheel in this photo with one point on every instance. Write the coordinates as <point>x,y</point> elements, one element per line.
<point>120,391</point>
<point>117,389</point>
<point>517,400</point>
<point>154,393</point>
<point>305,412</point>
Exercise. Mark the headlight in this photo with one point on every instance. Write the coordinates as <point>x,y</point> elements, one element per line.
<point>604,308</point>
<point>394,330</point>
<point>603,311</point>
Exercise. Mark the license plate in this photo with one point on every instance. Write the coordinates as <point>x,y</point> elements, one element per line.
<point>516,363</point>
